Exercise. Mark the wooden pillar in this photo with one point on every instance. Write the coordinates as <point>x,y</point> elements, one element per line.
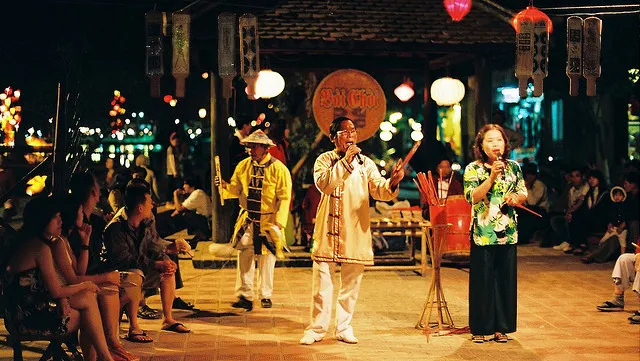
<point>482,92</point>
<point>429,108</point>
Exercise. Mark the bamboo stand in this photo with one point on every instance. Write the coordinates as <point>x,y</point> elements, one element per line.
<point>435,298</point>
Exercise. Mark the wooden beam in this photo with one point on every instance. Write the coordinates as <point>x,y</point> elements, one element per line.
<point>450,59</point>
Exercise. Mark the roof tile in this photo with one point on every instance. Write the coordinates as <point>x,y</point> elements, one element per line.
<point>381,21</point>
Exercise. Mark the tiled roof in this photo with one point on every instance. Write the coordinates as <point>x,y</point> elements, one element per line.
<point>404,23</point>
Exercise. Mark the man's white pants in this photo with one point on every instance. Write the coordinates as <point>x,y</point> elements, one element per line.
<point>350,278</point>
<point>246,269</point>
<point>624,273</point>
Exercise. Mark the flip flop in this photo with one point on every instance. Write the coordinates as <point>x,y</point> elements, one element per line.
<point>176,328</point>
<point>138,337</point>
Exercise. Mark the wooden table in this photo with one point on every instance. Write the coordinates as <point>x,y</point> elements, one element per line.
<point>408,227</point>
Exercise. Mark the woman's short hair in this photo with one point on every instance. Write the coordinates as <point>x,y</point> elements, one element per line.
<point>477,147</point>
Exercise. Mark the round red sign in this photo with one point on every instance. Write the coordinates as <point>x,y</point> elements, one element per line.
<point>350,93</point>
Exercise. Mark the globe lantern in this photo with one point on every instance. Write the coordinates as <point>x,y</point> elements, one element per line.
<point>405,91</point>
<point>457,9</point>
<point>447,91</point>
<point>269,84</point>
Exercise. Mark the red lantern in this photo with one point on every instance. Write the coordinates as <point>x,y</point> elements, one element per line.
<point>532,14</point>
<point>457,9</point>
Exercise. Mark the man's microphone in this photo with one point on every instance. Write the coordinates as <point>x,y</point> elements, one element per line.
<point>358,157</point>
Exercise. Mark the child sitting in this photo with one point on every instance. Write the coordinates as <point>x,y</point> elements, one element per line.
<point>616,234</point>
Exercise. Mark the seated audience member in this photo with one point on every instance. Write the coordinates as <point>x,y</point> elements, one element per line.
<point>133,243</point>
<point>145,311</point>
<point>592,216</point>
<point>193,213</point>
<point>614,241</point>
<point>631,185</point>
<point>116,192</point>
<point>626,274</point>
<point>85,191</point>
<point>37,303</point>
<point>578,189</point>
<point>443,172</point>
<point>537,201</point>
<point>150,176</point>
<point>72,271</point>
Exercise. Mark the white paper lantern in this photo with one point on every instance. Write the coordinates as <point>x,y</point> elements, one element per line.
<point>269,84</point>
<point>447,91</point>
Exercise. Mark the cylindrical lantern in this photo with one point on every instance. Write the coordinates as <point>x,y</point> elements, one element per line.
<point>154,60</point>
<point>404,91</point>
<point>249,51</point>
<point>269,84</point>
<point>533,28</point>
<point>457,9</point>
<point>180,70</point>
<point>574,53</point>
<point>226,51</point>
<point>447,91</point>
<point>540,56</point>
<point>591,58</point>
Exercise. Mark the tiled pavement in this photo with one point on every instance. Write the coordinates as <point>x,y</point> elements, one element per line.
<point>557,319</point>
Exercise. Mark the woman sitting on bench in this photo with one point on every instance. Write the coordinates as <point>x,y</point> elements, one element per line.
<point>37,304</point>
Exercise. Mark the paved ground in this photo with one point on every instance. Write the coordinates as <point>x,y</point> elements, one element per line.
<point>557,319</point>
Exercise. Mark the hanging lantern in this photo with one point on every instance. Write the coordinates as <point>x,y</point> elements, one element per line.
<point>154,62</point>
<point>269,84</point>
<point>532,14</point>
<point>591,58</point>
<point>180,39</point>
<point>226,51</point>
<point>574,53</point>
<point>249,51</point>
<point>404,91</point>
<point>457,9</point>
<point>447,91</point>
<point>533,28</point>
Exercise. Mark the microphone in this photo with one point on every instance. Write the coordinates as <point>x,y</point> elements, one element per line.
<point>359,158</point>
<point>500,158</point>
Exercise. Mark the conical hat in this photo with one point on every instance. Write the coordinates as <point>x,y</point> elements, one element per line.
<point>258,137</point>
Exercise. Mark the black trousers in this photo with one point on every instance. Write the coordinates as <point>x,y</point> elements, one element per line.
<point>493,282</point>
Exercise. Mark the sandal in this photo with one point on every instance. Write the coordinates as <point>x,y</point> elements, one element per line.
<point>500,337</point>
<point>180,304</point>
<point>477,338</point>
<point>635,319</point>
<point>140,337</point>
<point>177,328</point>
<point>637,313</point>
<point>608,306</point>
<point>147,313</point>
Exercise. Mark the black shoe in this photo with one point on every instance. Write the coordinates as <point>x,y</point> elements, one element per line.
<point>266,303</point>
<point>242,302</point>
<point>180,304</point>
<point>148,313</point>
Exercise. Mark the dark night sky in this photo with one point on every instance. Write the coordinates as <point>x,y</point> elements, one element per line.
<point>97,46</point>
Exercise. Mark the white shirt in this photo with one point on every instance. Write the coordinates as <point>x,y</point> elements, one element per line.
<point>198,201</point>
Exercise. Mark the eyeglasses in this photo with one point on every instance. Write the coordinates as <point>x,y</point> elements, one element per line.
<point>347,133</point>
